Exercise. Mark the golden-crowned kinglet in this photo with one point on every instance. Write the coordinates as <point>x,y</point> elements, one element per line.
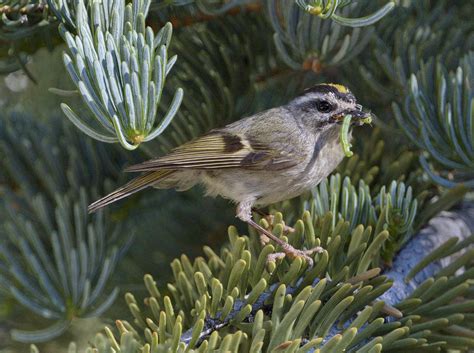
<point>265,158</point>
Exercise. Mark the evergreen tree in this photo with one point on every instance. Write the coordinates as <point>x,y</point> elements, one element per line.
<point>129,80</point>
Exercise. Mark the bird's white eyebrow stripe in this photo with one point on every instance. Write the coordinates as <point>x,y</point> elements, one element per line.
<point>330,96</point>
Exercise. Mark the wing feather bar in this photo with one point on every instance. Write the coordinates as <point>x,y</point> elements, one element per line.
<point>215,150</point>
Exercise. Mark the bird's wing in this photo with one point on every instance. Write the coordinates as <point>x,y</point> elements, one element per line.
<point>221,149</point>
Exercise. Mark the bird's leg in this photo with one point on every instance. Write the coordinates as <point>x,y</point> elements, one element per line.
<point>270,218</point>
<point>288,250</point>
<point>244,212</point>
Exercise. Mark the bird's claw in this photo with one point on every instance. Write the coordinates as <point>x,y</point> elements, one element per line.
<point>264,240</point>
<point>276,256</point>
<point>291,252</point>
<point>287,249</point>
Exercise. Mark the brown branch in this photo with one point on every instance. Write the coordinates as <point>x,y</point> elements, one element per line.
<point>272,74</point>
<point>186,21</point>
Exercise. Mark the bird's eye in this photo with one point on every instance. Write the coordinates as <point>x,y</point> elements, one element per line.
<point>323,106</point>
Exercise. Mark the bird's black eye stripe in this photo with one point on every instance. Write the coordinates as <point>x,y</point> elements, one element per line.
<point>320,105</point>
<point>324,106</point>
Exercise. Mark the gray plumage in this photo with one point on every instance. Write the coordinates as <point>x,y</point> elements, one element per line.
<point>262,159</point>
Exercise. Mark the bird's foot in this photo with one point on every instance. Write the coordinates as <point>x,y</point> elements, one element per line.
<point>287,249</point>
<point>291,252</point>
<point>244,212</point>
<point>264,240</point>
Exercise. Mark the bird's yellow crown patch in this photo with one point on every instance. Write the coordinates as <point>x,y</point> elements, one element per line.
<point>340,88</point>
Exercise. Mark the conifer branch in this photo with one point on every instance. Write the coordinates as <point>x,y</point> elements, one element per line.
<point>55,260</point>
<point>307,42</point>
<point>285,305</point>
<point>119,67</point>
<point>404,41</point>
<point>326,9</point>
<point>66,281</point>
<point>438,117</point>
<point>194,18</point>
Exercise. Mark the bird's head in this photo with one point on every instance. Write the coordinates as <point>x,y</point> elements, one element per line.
<point>326,105</point>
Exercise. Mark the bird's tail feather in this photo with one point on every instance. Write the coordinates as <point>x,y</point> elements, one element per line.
<point>133,186</point>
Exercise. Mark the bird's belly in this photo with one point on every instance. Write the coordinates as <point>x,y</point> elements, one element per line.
<point>262,187</point>
<point>236,185</point>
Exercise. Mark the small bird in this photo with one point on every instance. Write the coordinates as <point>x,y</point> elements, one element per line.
<point>265,158</point>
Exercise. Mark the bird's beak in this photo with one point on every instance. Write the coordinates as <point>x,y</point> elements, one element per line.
<point>359,117</point>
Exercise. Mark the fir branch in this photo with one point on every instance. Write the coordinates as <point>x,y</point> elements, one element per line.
<point>284,274</point>
<point>404,41</point>
<point>459,224</point>
<point>234,307</point>
<point>57,267</point>
<point>20,21</point>
<point>285,306</point>
<point>179,20</point>
<point>211,8</point>
<point>119,66</point>
<point>55,260</point>
<point>54,157</point>
<point>437,116</point>
<point>307,42</point>
<point>377,163</point>
<point>326,9</point>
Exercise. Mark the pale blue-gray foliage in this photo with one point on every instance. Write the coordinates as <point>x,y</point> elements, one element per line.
<point>55,157</point>
<point>407,39</point>
<point>56,263</point>
<point>119,67</point>
<point>55,260</point>
<point>438,117</point>
<point>311,42</point>
<point>327,9</point>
